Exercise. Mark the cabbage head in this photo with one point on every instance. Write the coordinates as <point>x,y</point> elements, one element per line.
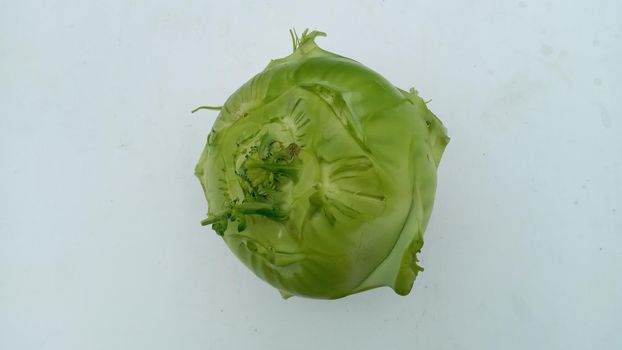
<point>320,175</point>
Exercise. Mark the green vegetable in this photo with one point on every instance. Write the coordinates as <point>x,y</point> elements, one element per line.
<point>320,175</point>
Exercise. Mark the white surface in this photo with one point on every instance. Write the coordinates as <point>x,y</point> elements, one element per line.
<point>100,246</point>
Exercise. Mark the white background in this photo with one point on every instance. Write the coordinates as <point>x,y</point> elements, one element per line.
<point>100,242</point>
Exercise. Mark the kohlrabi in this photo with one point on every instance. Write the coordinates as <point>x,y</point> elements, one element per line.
<point>320,175</point>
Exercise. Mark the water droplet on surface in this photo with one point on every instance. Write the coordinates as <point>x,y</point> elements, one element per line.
<point>605,119</point>
<point>546,50</point>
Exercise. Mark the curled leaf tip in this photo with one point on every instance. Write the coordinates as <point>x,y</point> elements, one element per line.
<point>211,108</point>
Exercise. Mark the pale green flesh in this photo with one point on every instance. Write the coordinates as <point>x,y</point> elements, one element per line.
<point>320,176</point>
